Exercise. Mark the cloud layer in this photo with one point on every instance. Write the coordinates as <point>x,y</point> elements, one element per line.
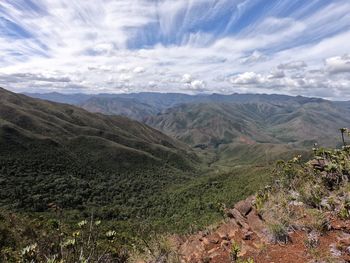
<point>256,46</point>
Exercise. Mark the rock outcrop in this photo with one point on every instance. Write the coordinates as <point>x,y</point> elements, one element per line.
<point>245,228</point>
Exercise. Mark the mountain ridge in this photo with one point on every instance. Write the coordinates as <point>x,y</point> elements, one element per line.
<point>262,122</point>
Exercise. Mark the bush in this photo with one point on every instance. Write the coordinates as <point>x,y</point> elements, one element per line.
<point>39,240</point>
<point>279,233</point>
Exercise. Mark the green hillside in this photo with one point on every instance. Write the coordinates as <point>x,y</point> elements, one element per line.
<point>129,173</point>
<point>296,123</point>
<point>128,107</point>
<point>57,153</point>
<point>121,170</point>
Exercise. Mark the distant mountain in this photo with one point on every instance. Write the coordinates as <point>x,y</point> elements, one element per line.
<point>212,120</point>
<point>128,107</point>
<point>343,104</point>
<point>61,98</point>
<point>163,101</point>
<point>140,105</point>
<point>299,122</point>
<point>57,153</point>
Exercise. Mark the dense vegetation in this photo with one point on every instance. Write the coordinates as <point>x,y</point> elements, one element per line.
<point>302,195</point>
<point>296,123</point>
<point>62,163</point>
<point>59,155</point>
<point>26,239</point>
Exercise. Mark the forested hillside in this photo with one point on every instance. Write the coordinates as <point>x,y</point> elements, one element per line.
<point>213,124</point>
<point>60,154</point>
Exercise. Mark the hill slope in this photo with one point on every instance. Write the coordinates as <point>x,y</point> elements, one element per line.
<point>128,107</point>
<point>216,119</point>
<point>292,122</point>
<point>57,153</point>
<point>151,103</point>
<point>303,216</point>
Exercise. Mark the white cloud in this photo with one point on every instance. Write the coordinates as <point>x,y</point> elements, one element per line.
<point>198,85</point>
<point>187,78</point>
<point>139,70</point>
<point>125,77</point>
<point>247,78</point>
<point>122,68</point>
<point>292,65</point>
<point>152,84</point>
<point>276,74</point>
<point>119,46</point>
<point>254,57</point>
<point>193,84</point>
<point>338,64</point>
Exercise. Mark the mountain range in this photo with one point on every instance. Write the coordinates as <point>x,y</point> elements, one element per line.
<point>216,119</point>
<point>173,164</point>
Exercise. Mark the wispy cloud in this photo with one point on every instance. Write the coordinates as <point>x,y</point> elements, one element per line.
<point>279,46</point>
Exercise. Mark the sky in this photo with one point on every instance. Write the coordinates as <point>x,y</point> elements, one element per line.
<point>294,47</point>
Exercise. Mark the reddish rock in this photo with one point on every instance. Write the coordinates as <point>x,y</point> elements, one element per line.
<point>256,224</point>
<point>248,235</point>
<point>319,164</point>
<point>205,241</point>
<point>223,232</point>
<point>251,235</point>
<point>215,249</point>
<point>214,241</point>
<point>225,244</point>
<point>240,220</point>
<point>245,206</point>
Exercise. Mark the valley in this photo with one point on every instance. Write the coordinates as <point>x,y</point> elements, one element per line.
<point>187,131</point>
<point>170,168</point>
<point>236,129</point>
<point>122,170</point>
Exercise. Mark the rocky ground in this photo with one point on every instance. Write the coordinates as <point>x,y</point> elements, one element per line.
<point>244,235</point>
<point>302,217</point>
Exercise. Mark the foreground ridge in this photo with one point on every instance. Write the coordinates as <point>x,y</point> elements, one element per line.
<point>303,217</point>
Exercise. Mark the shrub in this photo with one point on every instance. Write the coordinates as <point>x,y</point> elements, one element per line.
<point>279,233</point>
<point>317,221</point>
<point>344,212</point>
<point>235,250</point>
<point>40,240</point>
<point>311,193</point>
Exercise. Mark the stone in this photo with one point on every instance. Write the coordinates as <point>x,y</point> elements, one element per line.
<point>294,195</point>
<point>205,241</point>
<point>189,248</point>
<point>225,244</point>
<point>335,252</point>
<point>244,250</point>
<point>313,239</point>
<point>245,206</point>
<point>296,203</point>
<point>214,240</point>
<point>213,250</point>
<point>347,250</point>
<point>319,164</point>
<point>231,233</point>
<point>248,235</point>
<point>256,224</point>
<point>240,220</point>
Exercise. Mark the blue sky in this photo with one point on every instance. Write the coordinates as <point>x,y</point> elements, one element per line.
<point>297,47</point>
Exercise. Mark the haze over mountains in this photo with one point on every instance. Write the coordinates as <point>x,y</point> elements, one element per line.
<point>214,120</point>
